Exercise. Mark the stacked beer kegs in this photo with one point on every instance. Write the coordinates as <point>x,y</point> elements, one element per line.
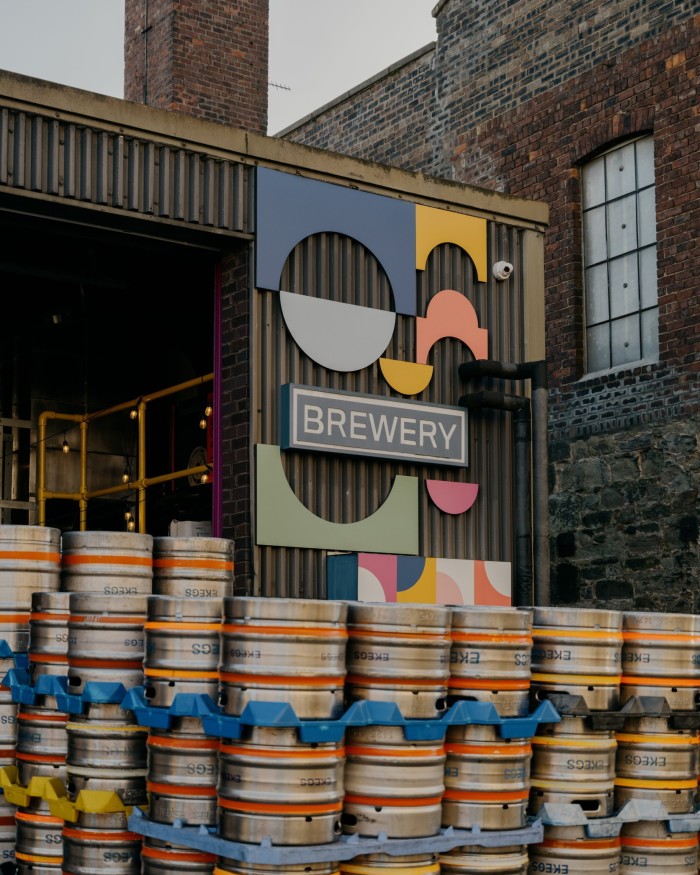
<point>42,737</point>
<point>576,659</point>
<point>487,777</point>
<point>657,756</point>
<point>29,562</point>
<point>271,783</point>
<point>109,576</point>
<point>182,657</point>
<point>397,655</point>
<point>106,747</point>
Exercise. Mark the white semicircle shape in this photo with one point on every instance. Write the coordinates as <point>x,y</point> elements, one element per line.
<point>341,337</point>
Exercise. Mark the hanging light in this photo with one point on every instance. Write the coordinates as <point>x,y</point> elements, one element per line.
<point>205,476</point>
<point>66,446</point>
<point>133,413</point>
<point>131,526</point>
<point>127,515</point>
<point>125,476</point>
<point>208,410</point>
<point>203,423</point>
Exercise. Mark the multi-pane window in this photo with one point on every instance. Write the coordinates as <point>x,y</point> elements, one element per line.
<point>619,256</point>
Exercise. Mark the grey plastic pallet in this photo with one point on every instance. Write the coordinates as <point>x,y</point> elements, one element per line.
<point>347,847</point>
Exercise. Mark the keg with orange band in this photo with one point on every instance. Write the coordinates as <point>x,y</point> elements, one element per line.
<point>239,867</point>
<point>272,784</point>
<point>48,634</point>
<point>101,850</point>
<point>490,657</point>
<point>110,563</point>
<point>30,561</point>
<point>573,763</point>
<point>399,653</point>
<point>487,779</point>
<point>284,650</point>
<point>193,568</point>
<point>392,785</point>
<point>182,777</point>
<point>656,762</point>
<point>577,651</point>
<point>159,858</point>
<point>182,648</point>
<point>651,847</point>
<point>39,838</point>
<point>472,859</point>
<point>106,640</point>
<point>661,657</point>
<point>570,848</point>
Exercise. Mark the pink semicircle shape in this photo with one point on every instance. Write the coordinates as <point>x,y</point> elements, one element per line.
<point>452,497</point>
<point>446,590</point>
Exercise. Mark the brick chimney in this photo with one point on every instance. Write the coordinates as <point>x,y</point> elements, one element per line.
<point>204,58</point>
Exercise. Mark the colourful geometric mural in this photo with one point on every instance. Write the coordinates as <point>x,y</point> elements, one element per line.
<point>345,337</point>
<point>370,577</point>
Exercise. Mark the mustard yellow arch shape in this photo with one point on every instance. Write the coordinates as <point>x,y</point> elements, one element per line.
<point>435,226</point>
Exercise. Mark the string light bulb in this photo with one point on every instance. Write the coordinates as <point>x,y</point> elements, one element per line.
<point>203,423</point>
<point>205,476</point>
<point>125,476</point>
<point>133,413</point>
<point>127,515</point>
<point>66,446</point>
<point>131,525</point>
<point>208,410</point>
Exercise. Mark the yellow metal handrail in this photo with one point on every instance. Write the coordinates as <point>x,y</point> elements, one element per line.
<point>142,482</point>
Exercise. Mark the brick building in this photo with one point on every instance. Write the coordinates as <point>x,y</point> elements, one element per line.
<point>591,108</point>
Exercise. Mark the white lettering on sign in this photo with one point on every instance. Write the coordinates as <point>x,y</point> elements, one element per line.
<point>347,422</point>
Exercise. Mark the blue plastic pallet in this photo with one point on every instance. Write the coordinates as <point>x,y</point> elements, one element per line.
<point>362,713</point>
<point>202,839</point>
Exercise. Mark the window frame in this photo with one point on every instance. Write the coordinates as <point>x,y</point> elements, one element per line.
<point>638,253</point>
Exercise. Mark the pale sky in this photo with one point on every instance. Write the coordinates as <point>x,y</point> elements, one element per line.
<point>318,48</point>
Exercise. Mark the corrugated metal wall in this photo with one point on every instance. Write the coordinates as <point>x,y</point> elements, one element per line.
<point>345,489</point>
<point>116,170</point>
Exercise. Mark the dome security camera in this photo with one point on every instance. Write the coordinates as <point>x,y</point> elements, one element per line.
<point>502,270</point>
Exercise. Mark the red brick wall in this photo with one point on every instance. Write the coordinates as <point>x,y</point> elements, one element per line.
<point>393,112</point>
<point>204,58</point>
<point>235,413</point>
<point>522,94</point>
